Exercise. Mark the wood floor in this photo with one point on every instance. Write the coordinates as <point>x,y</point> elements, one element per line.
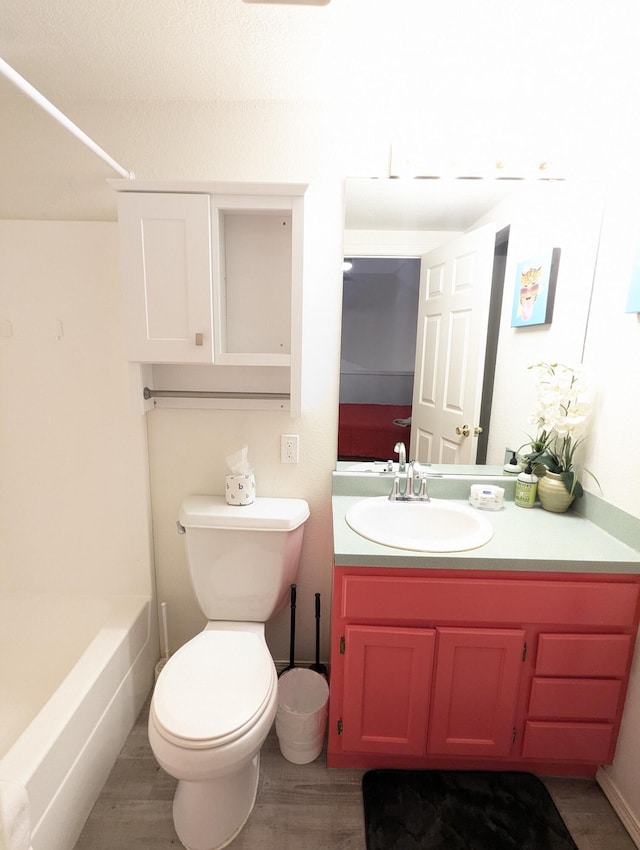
<point>298,806</point>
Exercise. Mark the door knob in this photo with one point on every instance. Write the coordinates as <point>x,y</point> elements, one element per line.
<point>463,431</point>
<point>477,430</point>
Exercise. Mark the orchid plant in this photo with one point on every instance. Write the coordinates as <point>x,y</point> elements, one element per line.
<point>563,406</point>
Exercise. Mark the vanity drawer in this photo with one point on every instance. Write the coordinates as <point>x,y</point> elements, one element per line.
<point>367,598</point>
<point>583,655</point>
<point>568,741</point>
<point>575,699</point>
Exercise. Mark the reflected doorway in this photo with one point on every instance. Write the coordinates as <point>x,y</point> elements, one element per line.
<point>377,361</point>
<point>379,309</point>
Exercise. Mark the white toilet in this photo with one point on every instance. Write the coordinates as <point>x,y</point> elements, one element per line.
<point>216,698</point>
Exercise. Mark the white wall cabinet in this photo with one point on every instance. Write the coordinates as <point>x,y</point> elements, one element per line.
<point>212,277</point>
<point>166,265</point>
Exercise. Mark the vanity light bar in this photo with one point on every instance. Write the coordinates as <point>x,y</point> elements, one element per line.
<point>149,393</point>
<point>408,160</point>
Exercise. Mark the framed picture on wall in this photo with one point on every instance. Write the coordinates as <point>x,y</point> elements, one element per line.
<point>633,299</point>
<point>535,289</point>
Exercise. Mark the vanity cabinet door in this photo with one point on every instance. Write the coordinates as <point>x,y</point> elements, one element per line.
<point>166,269</point>
<point>475,691</point>
<point>387,686</point>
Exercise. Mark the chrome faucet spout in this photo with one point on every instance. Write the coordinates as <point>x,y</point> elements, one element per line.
<point>401,451</point>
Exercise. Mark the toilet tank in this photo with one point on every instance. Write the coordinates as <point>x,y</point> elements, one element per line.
<point>242,558</point>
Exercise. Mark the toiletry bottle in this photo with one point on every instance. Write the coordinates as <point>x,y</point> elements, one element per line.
<point>512,467</point>
<point>526,488</point>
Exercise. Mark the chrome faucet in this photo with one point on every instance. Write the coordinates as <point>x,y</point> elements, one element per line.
<point>401,450</point>
<point>415,484</point>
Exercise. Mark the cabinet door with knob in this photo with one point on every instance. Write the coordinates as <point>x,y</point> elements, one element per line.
<point>166,266</point>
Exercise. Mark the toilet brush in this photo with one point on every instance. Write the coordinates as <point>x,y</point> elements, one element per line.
<point>165,640</point>
<point>318,667</point>
<point>292,634</point>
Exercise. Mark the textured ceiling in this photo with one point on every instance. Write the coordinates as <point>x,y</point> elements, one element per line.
<point>472,73</point>
<point>190,50</point>
<point>135,75</point>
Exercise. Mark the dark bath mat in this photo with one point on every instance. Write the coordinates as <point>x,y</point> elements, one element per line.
<point>460,810</point>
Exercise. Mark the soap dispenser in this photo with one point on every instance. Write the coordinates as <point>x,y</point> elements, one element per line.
<point>512,467</point>
<point>526,488</point>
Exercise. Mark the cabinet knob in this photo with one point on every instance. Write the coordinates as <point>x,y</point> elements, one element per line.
<point>199,339</point>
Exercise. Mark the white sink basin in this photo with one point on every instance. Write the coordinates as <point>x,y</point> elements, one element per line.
<point>435,526</point>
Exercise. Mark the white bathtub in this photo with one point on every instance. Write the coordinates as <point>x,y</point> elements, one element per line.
<point>74,674</point>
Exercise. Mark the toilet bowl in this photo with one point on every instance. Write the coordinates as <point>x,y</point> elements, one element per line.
<point>216,698</point>
<point>212,708</point>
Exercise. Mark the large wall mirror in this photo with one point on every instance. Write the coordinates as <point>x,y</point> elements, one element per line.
<point>395,380</point>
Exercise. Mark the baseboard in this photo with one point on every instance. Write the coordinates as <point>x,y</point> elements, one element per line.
<point>619,804</point>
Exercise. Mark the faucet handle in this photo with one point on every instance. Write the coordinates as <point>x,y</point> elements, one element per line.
<point>420,474</point>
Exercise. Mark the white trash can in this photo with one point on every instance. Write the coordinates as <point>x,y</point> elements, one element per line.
<point>301,719</point>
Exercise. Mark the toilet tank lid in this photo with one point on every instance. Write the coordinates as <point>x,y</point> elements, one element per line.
<point>264,514</point>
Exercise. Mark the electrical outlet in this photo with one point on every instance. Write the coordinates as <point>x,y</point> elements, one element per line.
<point>289,448</point>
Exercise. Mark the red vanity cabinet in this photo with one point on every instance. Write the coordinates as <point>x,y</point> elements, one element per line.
<point>504,670</point>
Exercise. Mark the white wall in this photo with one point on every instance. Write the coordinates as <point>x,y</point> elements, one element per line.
<point>73,497</point>
<point>567,216</point>
<point>612,354</point>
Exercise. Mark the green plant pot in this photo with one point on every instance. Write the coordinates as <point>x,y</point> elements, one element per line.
<point>553,494</point>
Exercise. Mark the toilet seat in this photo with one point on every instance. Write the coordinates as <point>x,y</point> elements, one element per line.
<point>213,689</point>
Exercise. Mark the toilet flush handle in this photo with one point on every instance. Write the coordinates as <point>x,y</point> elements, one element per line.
<point>180,527</point>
